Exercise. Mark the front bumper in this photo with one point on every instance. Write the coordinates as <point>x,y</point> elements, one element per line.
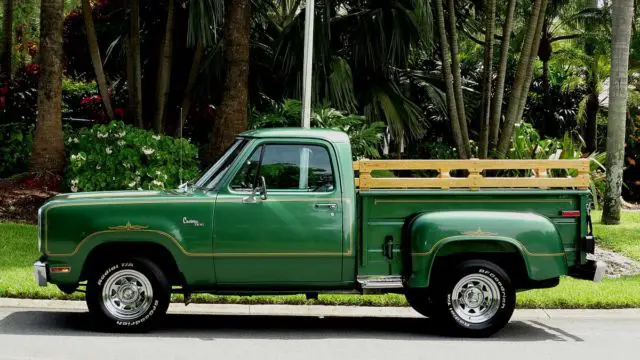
<point>40,273</point>
<point>592,270</point>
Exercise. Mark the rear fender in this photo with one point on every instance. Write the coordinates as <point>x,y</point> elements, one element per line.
<point>532,236</point>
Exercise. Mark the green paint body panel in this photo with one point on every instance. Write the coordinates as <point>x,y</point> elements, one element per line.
<point>287,242</point>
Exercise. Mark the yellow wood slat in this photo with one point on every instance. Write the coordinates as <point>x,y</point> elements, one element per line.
<point>438,183</point>
<point>479,165</point>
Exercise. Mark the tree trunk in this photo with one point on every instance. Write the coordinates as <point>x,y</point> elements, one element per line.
<point>448,80</point>
<point>593,103</point>
<point>193,77</point>
<point>164,72</point>
<point>48,144</point>
<point>520,79</point>
<point>591,131</point>
<point>487,77</point>
<point>457,77</point>
<point>622,17</point>
<point>134,65</point>
<point>535,49</point>
<point>7,42</point>
<point>496,105</point>
<point>232,114</point>
<point>96,59</point>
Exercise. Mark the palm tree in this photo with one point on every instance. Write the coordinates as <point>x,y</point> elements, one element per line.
<point>164,71</point>
<point>233,114</point>
<point>622,19</point>
<point>134,64</point>
<point>94,51</point>
<point>7,41</point>
<point>48,144</point>
<point>487,77</point>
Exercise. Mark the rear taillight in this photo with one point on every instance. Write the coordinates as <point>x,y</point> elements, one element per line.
<point>571,213</point>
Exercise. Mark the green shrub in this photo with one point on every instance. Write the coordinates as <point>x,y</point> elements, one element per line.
<point>16,140</point>
<point>118,156</point>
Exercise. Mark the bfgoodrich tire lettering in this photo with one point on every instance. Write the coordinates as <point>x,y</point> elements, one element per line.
<point>476,299</point>
<point>128,296</point>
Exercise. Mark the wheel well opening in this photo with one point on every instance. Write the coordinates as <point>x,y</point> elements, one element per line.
<point>504,255</point>
<point>110,252</point>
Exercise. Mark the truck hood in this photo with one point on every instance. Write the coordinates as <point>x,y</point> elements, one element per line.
<point>105,195</point>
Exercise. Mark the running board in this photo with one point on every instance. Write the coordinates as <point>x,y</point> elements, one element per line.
<point>380,282</point>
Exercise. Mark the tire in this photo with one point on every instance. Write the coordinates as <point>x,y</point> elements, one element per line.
<point>476,299</point>
<point>420,301</point>
<point>116,305</point>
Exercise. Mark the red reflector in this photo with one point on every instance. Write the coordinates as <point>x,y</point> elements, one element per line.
<point>572,213</point>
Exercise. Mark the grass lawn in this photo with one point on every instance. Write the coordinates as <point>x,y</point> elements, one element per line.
<point>18,252</point>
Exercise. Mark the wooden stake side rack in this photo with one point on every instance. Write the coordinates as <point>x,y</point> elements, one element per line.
<point>475,180</point>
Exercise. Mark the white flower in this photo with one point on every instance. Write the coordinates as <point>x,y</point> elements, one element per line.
<point>113,178</point>
<point>156,137</point>
<point>132,184</point>
<point>98,167</point>
<point>75,140</point>
<point>147,150</point>
<point>121,134</point>
<point>74,188</point>
<point>69,140</point>
<point>137,179</point>
<point>102,136</point>
<point>73,157</point>
<point>126,165</point>
<point>121,142</point>
<point>74,182</point>
<point>158,183</point>
<point>108,151</point>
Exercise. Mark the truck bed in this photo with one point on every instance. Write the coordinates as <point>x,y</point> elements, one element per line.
<point>383,213</point>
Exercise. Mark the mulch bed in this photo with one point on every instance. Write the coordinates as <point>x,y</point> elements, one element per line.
<point>21,196</point>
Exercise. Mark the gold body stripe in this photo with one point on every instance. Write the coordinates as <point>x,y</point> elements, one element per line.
<point>433,248</point>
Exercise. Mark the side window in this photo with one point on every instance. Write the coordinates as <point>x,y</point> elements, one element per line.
<point>245,179</point>
<point>297,167</point>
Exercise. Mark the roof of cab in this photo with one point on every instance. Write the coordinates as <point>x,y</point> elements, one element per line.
<point>332,136</point>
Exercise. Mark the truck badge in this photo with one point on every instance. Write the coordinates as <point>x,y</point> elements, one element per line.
<point>193,222</point>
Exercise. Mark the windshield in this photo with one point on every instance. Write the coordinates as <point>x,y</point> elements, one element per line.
<point>212,176</point>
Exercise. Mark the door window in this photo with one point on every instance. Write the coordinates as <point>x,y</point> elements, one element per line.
<point>290,167</point>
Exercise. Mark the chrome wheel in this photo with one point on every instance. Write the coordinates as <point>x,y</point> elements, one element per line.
<point>127,294</point>
<point>476,298</point>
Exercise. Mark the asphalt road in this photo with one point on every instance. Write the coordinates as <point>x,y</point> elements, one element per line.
<point>33,333</point>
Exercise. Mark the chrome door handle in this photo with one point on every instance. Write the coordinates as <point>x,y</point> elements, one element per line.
<point>326,206</point>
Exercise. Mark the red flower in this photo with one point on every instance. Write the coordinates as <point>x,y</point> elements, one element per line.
<point>90,99</point>
<point>32,68</point>
<point>119,113</point>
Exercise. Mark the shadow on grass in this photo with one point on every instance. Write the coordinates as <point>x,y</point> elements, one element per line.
<point>211,327</point>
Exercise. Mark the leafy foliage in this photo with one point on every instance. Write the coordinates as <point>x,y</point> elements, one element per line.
<point>118,156</point>
<point>365,137</point>
<point>16,140</point>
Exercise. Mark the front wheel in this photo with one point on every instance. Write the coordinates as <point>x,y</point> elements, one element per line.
<point>128,296</point>
<point>476,299</point>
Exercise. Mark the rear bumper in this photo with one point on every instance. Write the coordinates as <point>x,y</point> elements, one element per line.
<point>592,270</point>
<point>40,273</point>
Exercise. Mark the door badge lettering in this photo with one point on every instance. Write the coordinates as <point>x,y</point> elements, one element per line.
<point>192,222</point>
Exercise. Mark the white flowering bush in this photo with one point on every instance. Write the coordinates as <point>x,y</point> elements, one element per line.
<point>120,157</point>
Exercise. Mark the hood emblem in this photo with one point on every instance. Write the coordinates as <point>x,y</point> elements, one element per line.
<point>479,232</point>
<point>192,222</point>
<point>128,227</point>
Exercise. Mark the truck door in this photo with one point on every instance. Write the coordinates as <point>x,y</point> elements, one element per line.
<point>294,235</point>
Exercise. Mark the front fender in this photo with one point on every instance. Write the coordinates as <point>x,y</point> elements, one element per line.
<point>532,236</point>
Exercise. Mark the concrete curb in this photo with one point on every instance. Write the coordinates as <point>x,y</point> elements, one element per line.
<point>320,310</point>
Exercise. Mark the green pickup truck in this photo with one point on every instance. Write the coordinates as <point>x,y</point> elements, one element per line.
<point>288,211</point>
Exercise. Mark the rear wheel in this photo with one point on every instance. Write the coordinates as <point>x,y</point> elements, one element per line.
<point>128,296</point>
<point>475,299</point>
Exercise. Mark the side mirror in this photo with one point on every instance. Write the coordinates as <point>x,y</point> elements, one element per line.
<point>262,189</point>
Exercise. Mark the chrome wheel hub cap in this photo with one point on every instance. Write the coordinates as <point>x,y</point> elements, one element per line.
<point>127,294</point>
<point>476,298</point>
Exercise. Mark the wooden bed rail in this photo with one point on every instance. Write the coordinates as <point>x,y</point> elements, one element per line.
<point>475,180</point>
